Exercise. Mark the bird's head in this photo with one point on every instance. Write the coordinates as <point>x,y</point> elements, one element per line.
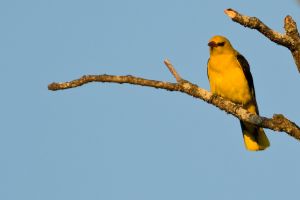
<point>219,45</point>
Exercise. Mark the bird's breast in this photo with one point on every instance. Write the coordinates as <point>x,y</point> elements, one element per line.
<point>227,79</point>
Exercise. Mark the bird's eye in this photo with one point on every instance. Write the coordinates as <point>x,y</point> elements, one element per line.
<point>220,44</point>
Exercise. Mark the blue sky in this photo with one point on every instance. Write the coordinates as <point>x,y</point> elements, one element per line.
<point>107,141</point>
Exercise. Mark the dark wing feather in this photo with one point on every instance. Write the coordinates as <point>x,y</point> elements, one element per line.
<point>246,69</point>
<point>207,69</point>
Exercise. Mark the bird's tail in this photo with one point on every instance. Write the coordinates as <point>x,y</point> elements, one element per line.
<point>255,138</point>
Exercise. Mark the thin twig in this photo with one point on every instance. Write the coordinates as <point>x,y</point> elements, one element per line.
<point>172,70</point>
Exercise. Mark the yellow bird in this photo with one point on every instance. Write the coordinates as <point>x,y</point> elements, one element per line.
<point>230,77</point>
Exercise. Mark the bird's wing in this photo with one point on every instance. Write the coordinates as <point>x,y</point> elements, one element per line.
<point>246,69</point>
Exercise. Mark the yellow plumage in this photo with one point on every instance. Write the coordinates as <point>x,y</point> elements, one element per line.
<point>229,76</point>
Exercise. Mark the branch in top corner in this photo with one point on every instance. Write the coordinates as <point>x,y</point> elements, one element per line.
<point>290,39</point>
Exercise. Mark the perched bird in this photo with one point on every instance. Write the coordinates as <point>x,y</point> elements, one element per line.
<point>230,77</point>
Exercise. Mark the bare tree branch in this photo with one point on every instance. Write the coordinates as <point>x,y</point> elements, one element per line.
<point>290,39</point>
<point>277,123</point>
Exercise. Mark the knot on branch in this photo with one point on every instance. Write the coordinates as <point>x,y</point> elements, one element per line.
<point>255,119</point>
<point>278,118</point>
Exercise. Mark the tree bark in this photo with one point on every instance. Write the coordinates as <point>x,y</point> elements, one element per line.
<point>290,40</point>
<point>277,123</point>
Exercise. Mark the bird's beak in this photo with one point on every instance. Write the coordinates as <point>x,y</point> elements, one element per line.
<point>212,44</point>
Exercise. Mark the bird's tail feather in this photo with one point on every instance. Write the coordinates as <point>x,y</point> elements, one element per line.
<point>255,138</point>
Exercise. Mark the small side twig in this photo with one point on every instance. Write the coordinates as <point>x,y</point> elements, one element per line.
<point>172,70</point>
<point>290,39</point>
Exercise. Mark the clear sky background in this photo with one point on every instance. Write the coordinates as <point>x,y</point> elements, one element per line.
<point>112,142</point>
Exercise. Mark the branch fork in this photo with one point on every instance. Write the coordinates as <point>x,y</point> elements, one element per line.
<point>290,39</point>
